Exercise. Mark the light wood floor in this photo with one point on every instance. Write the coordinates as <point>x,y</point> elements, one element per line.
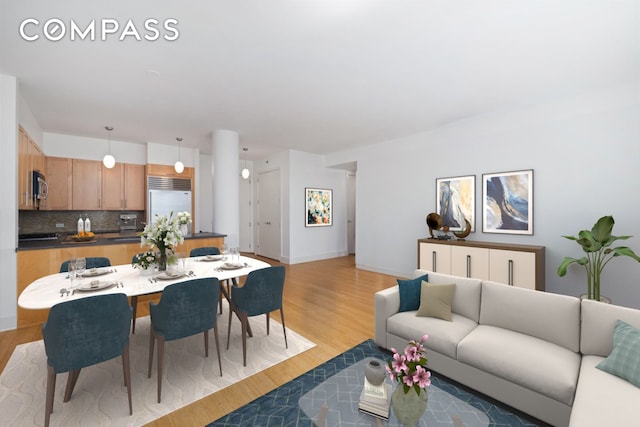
<point>329,302</point>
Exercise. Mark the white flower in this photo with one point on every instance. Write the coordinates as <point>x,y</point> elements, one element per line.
<point>184,217</point>
<point>162,233</point>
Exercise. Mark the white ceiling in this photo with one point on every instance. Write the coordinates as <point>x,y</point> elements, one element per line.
<point>318,76</point>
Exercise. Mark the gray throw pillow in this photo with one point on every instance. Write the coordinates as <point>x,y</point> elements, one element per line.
<point>435,300</point>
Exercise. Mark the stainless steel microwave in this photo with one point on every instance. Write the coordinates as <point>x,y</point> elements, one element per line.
<point>40,189</point>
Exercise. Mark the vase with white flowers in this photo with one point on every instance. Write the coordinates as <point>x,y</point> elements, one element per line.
<point>409,370</point>
<point>164,234</point>
<point>184,219</point>
<point>145,262</point>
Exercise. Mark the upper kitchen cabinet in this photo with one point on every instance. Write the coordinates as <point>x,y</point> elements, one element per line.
<point>163,170</point>
<point>87,185</point>
<point>123,187</point>
<point>30,158</point>
<point>59,179</point>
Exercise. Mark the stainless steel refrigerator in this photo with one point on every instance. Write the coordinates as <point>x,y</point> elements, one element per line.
<point>168,195</point>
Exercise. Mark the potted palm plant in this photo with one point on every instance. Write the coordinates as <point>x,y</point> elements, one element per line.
<point>596,243</point>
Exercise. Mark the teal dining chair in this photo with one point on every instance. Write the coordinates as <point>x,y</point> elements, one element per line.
<point>92,262</point>
<point>185,309</point>
<point>84,332</point>
<point>205,250</point>
<point>261,294</point>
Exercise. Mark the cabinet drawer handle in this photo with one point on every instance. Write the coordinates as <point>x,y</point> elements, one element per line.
<point>433,261</point>
<point>468,265</point>
<point>510,272</point>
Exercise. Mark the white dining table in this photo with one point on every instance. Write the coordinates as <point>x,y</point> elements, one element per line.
<point>47,291</point>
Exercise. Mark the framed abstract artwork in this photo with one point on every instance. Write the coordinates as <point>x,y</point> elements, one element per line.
<point>507,202</point>
<point>319,207</point>
<point>456,201</point>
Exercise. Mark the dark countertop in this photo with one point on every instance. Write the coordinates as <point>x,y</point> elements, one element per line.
<point>107,238</point>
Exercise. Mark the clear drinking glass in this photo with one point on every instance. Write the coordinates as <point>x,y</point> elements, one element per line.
<point>71,269</point>
<point>224,250</point>
<point>81,266</point>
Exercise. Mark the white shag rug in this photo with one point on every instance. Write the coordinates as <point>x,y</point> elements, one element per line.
<point>100,397</point>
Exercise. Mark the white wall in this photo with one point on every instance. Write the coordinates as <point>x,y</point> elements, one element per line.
<point>584,153</point>
<point>8,191</point>
<point>314,243</point>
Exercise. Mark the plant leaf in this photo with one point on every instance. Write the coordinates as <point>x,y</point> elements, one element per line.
<point>562,268</point>
<point>602,229</point>
<point>625,251</point>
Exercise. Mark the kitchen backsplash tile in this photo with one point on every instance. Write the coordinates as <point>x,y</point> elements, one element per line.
<point>34,221</point>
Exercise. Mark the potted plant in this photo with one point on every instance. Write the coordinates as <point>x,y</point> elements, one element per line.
<point>596,243</point>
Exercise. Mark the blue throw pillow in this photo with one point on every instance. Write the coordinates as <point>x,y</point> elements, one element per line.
<point>624,360</point>
<point>410,293</point>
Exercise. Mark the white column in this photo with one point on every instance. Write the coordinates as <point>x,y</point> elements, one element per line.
<point>9,196</point>
<point>226,185</point>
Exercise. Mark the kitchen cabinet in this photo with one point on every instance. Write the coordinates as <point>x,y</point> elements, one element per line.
<point>30,158</point>
<point>60,182</point>
<point>169,171</point>
<point>87,185</point>
<point>123,187</point>
<point>515,265</point>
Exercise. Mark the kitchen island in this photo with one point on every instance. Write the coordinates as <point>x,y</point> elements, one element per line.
<point>43,257</point>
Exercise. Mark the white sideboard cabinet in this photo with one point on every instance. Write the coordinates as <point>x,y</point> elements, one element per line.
<point>516,265</point>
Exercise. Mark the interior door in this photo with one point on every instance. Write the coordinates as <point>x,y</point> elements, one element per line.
<point>268,211</point>
<point>351,213</point>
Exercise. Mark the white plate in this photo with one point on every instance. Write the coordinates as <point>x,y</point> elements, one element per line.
<point>229,266</point>
<point>209,258</point>
<point>96,285</point>
<point>96,272</point>
<point>169,276</point>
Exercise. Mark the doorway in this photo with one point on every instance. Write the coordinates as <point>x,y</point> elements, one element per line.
<point>351,213</point>
<point>268,203</point>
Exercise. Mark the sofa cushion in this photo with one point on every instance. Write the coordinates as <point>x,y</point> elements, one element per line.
<point>435,300</point>
<point>530,362</point>
<point>598,321</point>
<point>602,399</point>
<point>550,317</point>
<point>624,360</point>
<point>466,299</point>
<point>443,336</point>
<point>410,293</point>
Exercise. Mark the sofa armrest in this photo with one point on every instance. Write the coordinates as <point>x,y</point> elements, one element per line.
<point>386,303</point>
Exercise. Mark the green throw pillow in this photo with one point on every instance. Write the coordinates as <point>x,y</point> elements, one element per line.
<point>435,300</point>
<point>624,360</point>
<point>410,293</point>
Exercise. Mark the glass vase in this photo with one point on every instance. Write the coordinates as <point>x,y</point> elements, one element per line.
<point>162,260</point>
<point>408,407</point>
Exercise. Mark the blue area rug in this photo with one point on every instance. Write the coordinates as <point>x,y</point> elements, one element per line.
<point>280,406</point>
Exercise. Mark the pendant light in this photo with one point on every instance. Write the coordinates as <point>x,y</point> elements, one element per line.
<point>179,166</point>
<point>245,171</point>
<point>108,160</point>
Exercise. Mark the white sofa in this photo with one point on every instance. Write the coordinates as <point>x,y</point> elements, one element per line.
<point>535,351</point>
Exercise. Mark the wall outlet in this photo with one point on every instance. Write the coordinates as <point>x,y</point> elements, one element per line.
<point>59,225</point>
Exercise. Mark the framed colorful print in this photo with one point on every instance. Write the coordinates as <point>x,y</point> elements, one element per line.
<point>507,202</point>
<point>456,201</point>
<point>319,204</point>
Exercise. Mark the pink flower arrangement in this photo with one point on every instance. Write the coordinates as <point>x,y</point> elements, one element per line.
<point>410,368</point>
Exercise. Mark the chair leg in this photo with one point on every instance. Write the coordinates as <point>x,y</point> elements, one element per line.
<point>244,320</point>
<point>284,330</point>
<point>51,388</point>
<point>71,383</point>
<point>268,318</point>
<point>229,326</point>
<point>220,303</point>
<point>126,366</point>
<point>215,334</point>
<point>160,364</point>
<point>134,306</point>
<point>152,343</point>
<point>206,343</point>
